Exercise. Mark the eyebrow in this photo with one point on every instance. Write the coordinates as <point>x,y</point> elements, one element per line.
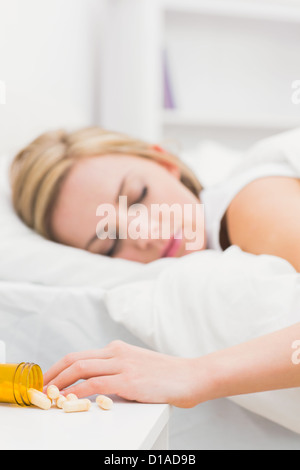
<point>95,237</point>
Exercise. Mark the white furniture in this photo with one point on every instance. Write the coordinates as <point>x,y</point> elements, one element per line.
<point>231,65</point>
<point>127,426</point>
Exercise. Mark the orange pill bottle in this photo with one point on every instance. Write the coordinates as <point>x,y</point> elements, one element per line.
<point>17,379</point>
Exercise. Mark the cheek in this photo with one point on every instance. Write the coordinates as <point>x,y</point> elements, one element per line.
<point>74,222</point>
<point>168,189</point>
<point>179,194</point>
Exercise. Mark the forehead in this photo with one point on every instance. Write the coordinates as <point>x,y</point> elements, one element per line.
<point>91,182</point>
<point>88,172</point>
<point>97,177</point>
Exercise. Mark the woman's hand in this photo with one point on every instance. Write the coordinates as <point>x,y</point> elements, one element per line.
<point>128,371</point>
<point>261,364</point>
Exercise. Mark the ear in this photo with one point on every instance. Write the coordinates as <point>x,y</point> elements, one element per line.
<point>171,167</point>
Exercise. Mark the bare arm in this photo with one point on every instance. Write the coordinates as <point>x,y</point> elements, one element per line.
<point>264,218</point>
<point>266,363</point>
<point>269,362</point>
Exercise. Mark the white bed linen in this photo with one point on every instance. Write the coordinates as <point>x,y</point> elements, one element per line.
<point>42,323</point>
<point>212,300</point>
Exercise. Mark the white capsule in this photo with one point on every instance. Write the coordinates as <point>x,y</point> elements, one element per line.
<point>71,396</point>
<point>53,392</point>
<point>60,400</point>
<point>39,399</point>
<point>74,406</point>
<point>104,402</point>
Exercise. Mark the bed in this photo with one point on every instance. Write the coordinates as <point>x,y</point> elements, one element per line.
<point>56,299</point>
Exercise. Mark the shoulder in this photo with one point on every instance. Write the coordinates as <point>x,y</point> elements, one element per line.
<point>265,216</point>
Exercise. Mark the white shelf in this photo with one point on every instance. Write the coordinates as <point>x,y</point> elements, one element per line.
<point>231,65</point>
<point>185,119</point>
<point>236,9</point>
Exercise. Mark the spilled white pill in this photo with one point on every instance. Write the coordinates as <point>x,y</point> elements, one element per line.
<point>74,406</point>
<point>71,396</point>
<point>104,402</point>
<point>39,399</point>
<point>53,392</point>
<point>60,400</point>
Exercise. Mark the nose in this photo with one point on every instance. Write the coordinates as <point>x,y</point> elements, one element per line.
<point>143,233</point>
<point>149,236</point>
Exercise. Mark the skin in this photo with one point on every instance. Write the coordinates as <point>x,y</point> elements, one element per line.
<point>94,181</point>
<point>150,377</point>
<point>266,207</point>
<point>269,208</point>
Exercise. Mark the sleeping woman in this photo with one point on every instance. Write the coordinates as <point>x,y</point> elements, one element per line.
<point>60,179</point>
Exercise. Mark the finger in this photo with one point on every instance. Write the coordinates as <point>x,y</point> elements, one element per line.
<point>70,359</point>
<point>106,385</point>
<point>85,369</point>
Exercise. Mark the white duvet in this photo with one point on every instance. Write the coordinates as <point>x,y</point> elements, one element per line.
<point>210,301</point>
<point>54,299</point>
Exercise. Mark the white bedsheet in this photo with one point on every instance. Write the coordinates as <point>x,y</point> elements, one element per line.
<point>43,323</point>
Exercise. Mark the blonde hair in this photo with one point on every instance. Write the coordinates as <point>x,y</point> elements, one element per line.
<point>38,171</point>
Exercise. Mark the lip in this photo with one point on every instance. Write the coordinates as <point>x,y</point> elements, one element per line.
<point>171,248</point>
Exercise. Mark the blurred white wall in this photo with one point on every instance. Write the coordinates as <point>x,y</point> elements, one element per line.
<point>48,62</point>
<point>73,63</point>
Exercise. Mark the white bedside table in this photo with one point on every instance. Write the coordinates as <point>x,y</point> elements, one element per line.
<point>127,426</point>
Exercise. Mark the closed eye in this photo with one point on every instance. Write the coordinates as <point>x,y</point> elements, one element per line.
<point>143,195</point>
<point>116,243</point>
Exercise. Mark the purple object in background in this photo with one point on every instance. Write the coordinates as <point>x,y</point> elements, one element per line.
<point>168,92</point>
